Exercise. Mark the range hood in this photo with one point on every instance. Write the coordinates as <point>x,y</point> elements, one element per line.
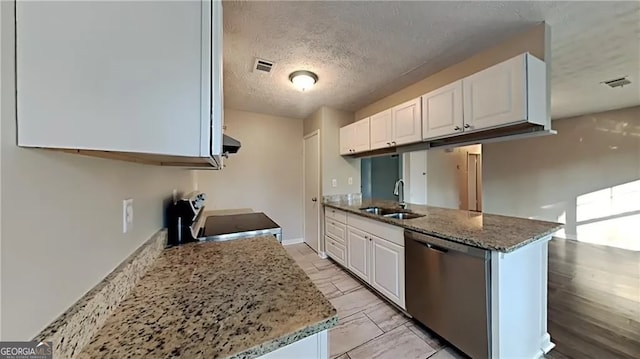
<point>230,144</point>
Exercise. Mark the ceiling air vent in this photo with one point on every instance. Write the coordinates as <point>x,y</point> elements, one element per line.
<point>617,82</point>
<point>264,66</point>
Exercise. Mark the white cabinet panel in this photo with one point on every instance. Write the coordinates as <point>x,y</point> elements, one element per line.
<point>346,134</point>
<point>336,230</point>
<point>387,269</point>
<point>496,96</point>
<point>143,86</point>
<point>381,130</point>
<point>442,112</point>
<point>358,253</point>
<point>312,347</point>
<point>354,138</point>
<point>407,123</point>
<point>360,142</point>
<point>336,250</point>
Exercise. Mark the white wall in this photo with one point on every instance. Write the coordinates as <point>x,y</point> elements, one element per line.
<point>548,177</point>
<point>334,166</point>
<point>265,175</point>
<point>62,216</point>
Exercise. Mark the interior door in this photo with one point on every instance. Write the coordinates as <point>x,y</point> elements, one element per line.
<point>472,182</point>
<point>312,190</point>
<point>415,171</point>
<point>442,112</point>
<point>358,252</point>
<point>381,130</point>
<point>407,123</point>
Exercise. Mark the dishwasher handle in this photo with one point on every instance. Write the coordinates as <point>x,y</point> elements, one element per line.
<point>434,248</point>
<point>445,246</point>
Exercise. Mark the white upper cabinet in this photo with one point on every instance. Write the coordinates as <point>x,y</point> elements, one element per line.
<point>135,77</point>
<point>510,92</point>
<point>381,130</point>
<point>442,112</point>
<point>354,138</point>
<point>361,136</point>
<point>407,123</point>
<point>346,133</point>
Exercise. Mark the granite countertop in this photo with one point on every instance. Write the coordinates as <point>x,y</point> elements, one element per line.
<point>487,231</point>
<point>238,299</point>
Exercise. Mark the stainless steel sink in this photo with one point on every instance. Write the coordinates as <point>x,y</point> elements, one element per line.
<point>403,215</point>
<point>378,211</point>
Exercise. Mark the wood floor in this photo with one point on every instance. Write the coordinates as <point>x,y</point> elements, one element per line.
<point>594,308</point>
<point>594,301</point>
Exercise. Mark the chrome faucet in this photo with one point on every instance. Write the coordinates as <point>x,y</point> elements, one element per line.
<point>399,191</point>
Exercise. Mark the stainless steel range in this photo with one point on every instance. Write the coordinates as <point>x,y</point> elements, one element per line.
<point>187,222</point>
<point>234,226</point>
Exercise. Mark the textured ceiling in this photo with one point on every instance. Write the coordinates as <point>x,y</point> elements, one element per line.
<point>363,51</point>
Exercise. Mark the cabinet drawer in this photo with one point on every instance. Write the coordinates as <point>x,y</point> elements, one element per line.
<point>336,214</point>
<point>335,250</point>
<point>336,229</point>
<point>391,233</point>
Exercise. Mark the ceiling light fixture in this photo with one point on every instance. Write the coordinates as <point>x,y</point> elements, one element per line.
<point>303,80</point>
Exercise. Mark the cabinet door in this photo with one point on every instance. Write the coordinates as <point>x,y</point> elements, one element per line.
<point>407,123</point>
<point>381,130</point>
<point>346,134</point>
<point>139,86</point>
<point>360,139</point>
<point>387,269</point>
<point>335,249</point>
<point>442,112</point>
<point>358,253</point>
<point>495,96</point>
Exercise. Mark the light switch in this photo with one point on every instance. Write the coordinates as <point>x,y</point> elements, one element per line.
<point>127,215</point>
<point>334,182</point>
<point>350,180</point>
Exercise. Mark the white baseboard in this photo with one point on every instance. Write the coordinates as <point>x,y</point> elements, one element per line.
<point>286,242</point>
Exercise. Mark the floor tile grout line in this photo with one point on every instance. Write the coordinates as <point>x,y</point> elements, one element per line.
<point>373,321</point>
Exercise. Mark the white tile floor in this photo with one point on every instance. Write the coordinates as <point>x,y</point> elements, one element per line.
<point>368,326</point>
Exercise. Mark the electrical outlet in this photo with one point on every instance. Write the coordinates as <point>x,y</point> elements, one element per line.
<point>127,215</point>
<point>334,182</point>
<point>350,180</point>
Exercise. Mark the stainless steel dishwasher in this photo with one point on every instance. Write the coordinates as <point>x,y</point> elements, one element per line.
<point>447,290</point>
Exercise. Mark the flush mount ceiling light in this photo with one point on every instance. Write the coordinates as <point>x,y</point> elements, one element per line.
<point>303,80</point>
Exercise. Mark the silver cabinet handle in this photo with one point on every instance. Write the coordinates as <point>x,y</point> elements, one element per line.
<point>466,125</point>
<point>314,199</point>
<point>388,143</point>
<point>393,142</point>
<point>457,128</point>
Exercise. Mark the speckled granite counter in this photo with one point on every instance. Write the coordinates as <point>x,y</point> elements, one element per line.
<point>488,231</point>
<point>238,299</point>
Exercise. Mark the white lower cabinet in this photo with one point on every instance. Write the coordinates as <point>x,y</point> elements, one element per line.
<point>358,253</point>
<point>335,250</point>
<point>376,259</point>
<point>387,269</point>
<point>312,347</point>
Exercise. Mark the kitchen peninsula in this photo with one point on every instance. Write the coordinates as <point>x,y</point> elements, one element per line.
<point>478,280</point>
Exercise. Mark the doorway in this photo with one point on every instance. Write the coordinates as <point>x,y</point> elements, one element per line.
<point>474,182</point>
<point>311,190</point>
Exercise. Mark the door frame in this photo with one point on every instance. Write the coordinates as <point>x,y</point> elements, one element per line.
<point>478,181</point>
<point>321,249</point>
